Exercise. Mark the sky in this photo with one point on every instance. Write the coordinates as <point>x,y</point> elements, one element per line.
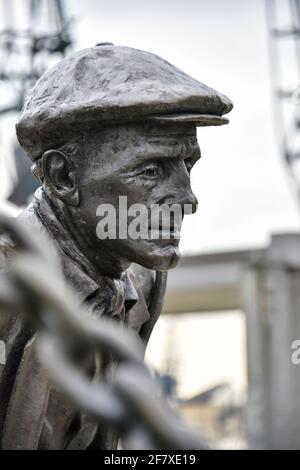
<point>243,190</point>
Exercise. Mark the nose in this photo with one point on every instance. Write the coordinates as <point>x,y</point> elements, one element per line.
<point>188,201</point>
<point>185,195</point>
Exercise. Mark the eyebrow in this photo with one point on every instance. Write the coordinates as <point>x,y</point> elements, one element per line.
<point>184,149</point>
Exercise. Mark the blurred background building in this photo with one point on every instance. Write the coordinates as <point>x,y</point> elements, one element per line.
<point>222,348</point>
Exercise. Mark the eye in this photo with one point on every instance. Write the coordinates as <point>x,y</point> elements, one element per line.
<point>151,171</point>
<point>189,164</point>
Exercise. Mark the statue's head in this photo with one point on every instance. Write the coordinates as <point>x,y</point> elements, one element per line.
<point>112,134</point>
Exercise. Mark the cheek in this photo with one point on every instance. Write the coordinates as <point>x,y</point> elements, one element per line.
<point>95,190</point>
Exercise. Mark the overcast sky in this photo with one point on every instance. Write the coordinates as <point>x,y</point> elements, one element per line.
<point>243,192</point>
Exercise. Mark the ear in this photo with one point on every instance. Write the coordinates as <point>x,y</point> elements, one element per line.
<point>58,178</point>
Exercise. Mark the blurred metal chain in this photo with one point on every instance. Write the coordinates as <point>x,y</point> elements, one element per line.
<point>127,399</point>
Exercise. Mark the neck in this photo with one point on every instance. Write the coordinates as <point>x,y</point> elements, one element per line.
<point>110,265</point>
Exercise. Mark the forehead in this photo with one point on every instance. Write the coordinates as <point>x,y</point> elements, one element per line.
<point>145,136</point>
<point>145,140</point>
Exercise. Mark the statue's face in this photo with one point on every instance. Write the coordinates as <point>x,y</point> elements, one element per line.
<point>147,164</point>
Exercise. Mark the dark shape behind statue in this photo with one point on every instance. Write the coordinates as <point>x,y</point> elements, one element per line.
<point>24,184</point>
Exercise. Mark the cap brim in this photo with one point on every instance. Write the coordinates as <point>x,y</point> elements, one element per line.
<point>197,119</point>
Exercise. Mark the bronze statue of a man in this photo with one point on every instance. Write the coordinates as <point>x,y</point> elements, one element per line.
<point>105,122</point>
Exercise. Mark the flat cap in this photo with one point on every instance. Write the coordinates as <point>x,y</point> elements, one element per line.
<point>107,85</point>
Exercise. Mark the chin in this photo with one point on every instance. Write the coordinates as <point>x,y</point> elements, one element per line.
<point>158,258</point>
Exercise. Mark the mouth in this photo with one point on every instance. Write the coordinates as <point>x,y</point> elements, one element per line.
<point>165,232</point>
